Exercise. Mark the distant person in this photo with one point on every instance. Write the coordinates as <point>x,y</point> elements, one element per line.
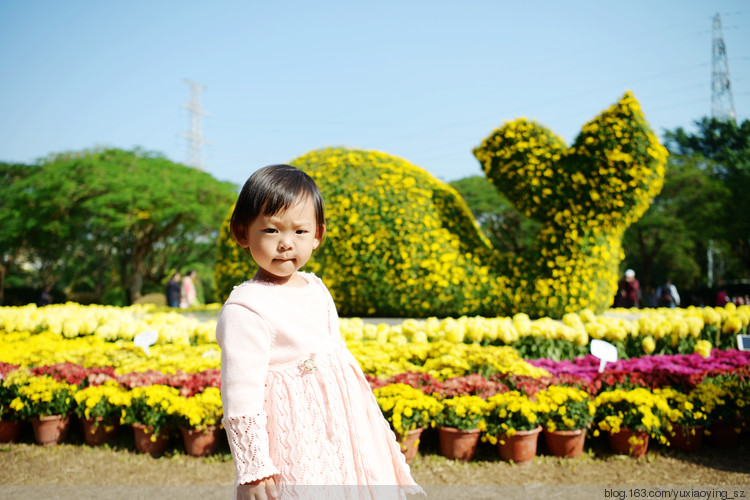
<point>667,294</point>
<point>629,290</point>
<point>650,299</point>
<point>721,295</point>
<point>173,290</point>
<point>45,298</point>
<point>188,293</point>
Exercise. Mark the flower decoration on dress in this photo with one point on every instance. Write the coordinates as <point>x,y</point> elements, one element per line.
<point>308,365</point>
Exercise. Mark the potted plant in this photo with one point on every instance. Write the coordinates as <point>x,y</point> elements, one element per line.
<point>460,422</point>
<point>513,424</point>
<point>408,411</point>
<point>631,417</point>
<point>199,420</point>
<point>10,421</point>
<point>150,410</point>
<point>725,400</point>
<point>99,407</point>
<point>687,420</point>
<point>565,413</point>
<point>47,403</point>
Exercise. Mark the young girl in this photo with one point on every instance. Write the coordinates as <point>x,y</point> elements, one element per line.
<point>298,410</point>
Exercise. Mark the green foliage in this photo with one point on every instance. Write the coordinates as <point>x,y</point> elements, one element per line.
<point>401,243</point>
<point>117,218</point>
<point>534,347</point>
<point>670,239</point>
<point>722,150</point>
<point>13,237</point>
<point>507,228</point>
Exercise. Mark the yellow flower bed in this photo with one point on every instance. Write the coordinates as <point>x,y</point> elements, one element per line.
<point>407,408</point>
<point>637,409</point>
<point>42,395</point>
<point>508,413</point>
<point>110,323</point>
<point>565,408</point>
<point>439,358</point>
<point>102,336</point>
<point>27,349</point>
<point>463,412</point>
<point>201,410</point>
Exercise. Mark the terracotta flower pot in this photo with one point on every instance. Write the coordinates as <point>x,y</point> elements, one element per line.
<point>567,444</point>
<point>620,442</point>
<point>96,431</point>
<point>520,447</point>
<point>686,438</point>
<point>199,443</point>
<point>723,433</point>
<point>146,442</point>
<point>51,429</point>
<point>458,444</point>
<point>410,443</point>
<point>9,431</point>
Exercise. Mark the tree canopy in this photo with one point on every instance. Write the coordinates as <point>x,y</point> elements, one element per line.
<point>669,241</point>
<point>111,214</point>
<point>722,149</point>
<point>505,226</point>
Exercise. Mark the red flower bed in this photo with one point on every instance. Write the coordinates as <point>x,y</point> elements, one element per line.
<point>188,384</point>
<point>530,386</point>
<point>471,385</point>
<point>75,374</point>
<point>464,385</point>
<point>191,384</point>
<point>6,367</point>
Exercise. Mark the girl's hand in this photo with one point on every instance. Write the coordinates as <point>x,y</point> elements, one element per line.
<point>262,489</point>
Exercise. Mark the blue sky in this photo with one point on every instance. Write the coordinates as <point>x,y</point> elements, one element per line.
<point>422,80</point>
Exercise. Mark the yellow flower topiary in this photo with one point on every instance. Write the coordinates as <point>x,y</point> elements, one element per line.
<point>402,243</point>
<point>585,197</point>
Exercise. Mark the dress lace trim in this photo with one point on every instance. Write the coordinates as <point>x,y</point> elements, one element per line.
<point>248,440</point>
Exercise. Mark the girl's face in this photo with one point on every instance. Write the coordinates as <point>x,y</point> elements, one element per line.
<point>282,243</point>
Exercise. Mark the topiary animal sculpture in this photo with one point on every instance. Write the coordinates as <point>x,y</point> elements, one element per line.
<point>402,243</point>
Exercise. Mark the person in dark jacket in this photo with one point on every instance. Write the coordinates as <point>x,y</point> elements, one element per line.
<point>629,291</point>
<point>173,291</point>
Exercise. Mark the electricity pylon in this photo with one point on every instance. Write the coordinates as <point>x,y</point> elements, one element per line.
<point>194,136</point>
<point>722,102</point>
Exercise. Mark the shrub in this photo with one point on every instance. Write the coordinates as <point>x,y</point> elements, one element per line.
<point>402,243</point>
<point>585,197</point>
<point>399,242</point>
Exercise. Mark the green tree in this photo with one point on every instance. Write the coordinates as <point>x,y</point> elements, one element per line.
<point>13,237</point>
<point>506,227</point>
<point>722,149</point>
<point>95,216</point>
<point>669,240</point>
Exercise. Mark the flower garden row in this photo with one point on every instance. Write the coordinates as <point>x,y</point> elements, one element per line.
<point>634,332</point>
<point>424,374</point>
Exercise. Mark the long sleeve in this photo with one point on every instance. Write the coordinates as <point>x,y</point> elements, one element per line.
<point>245,346</point>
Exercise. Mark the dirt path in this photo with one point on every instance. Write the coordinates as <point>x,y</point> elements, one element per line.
<point>80,471</point>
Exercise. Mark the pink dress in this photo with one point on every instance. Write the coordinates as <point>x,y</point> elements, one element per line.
<point>296,403</point>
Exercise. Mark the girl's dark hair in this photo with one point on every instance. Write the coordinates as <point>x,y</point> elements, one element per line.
<point>273,189</point>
